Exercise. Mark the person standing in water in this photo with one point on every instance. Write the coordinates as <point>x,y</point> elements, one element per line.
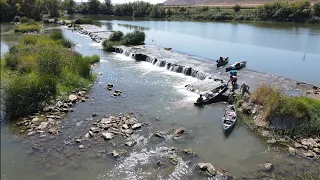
<point>244,89</point>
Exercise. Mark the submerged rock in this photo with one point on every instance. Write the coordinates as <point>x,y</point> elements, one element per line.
<point>173,159</point>
<point>190,151</point>
<point>160,134</point>
<point>179,131</point>
<point>94,114</point>
<point>268,166</point>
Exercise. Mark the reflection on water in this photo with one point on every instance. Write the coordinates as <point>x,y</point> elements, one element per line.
<point>156,97</point>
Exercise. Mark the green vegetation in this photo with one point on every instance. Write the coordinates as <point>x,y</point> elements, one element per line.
<point>302,109</point>
<point>117,38</point>
<point>40,68</point>
<point>27,26</point>
<point>86,21</point>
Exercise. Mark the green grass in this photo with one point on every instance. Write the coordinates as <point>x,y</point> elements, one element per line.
<point>40,68</point>
<point>29,26</point>
<point>305,110</point>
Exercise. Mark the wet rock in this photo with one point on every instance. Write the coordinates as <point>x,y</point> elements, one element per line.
<point>105,121</point>
<point>268,166</point>
<point>42,136</point>
<point>91,133</point>
<point>190,151</point>
<point>136,126</point>
<point>53,131</point>
<point>130,143</point>
<point>87,135</point>
<point>179,131</point>
<point>35,120</point>
<point>292,151</point>
<point>51,121</point>
<point>131,121</point>
<point>65,110</point>
<point>316,150</point>
<point>95,129</point>
<point>173,159</point>
<point>107,135</point>
<point>104,156</point>
<point>297,145</point>
<point>160,134</point>
<point>78,141</point>
<point>94,114</point>
<point>207,167</point>
<point>308,154</point>
<point>128,131</point>
<point>265,133</point>
<point>118,153</point>
<point>31,133</point>
<point>271,141</point>
<point>43,125</point>
<point>109,85</point>
<point>81,146</point>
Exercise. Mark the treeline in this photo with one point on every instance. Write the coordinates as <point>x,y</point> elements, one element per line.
<point>296,11</point>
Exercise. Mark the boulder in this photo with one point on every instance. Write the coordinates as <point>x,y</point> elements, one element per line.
<point>107,135</point>
<point>72,98</point>
<point>208,167</point>
<point>316,150</point>
<point>271,141</point>
<point>308,154</point>
<point>81,146</point>
<point>78,140</point>
<point>292,151</point>
<point>87,135</point>
<point>179,131</point>
<point>95,129</point>
<point>136,126</point>
<point>35,120</point>
<point>128,131</point>
<point>125,126</point>
<point>268,166</point>
<point>105,121</point>
<point>91,133</point>
<point>309,142</point>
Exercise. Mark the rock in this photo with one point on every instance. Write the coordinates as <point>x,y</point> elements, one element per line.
<point>292,151</point>
<point>297,145</point>
<point>136,126</point>
<point>131,121</point>
<point>42,136</point>
<point>31,133</point>
<point>104,156</point>
<point>128,131</point>
<point>73,98</point>
<point>105,121</point>
<point>173,159</point>
<point>309,142</point>
<point>316,150</point>
<point>51,121</point>
<point>94,114</point>
<point>43,125</point>
<point>208,167</point>
<point>190,152</point>
<point>53,131</point>
<point>87,135</point>
<point>118,153</point>
<point>95,129</point>
<point>271,141</point>
<point>246,108</point>
<point>130,143</point>
<point>265,133</point>
<point>65,110</point>
<point>179,131</point>
<point>160,134</point>
<point>91,133</point>
<point>268,166</point>
<point>35,120</point>
<point>308,154</point>
<point>110,85</point>
<point>107,135</point>
<point>81,146</point>
<point>78,140</point>
<point>125,126</point>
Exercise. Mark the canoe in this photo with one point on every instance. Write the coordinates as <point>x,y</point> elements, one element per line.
<point>229,119</point>
<point>212,95</point>
<point>223,62</point>
<point>236,66</point>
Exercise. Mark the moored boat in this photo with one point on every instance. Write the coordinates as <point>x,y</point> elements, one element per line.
<point>212,95</point>
<point>236,66</point>
<point>229,119</point>
<point>222,61</point>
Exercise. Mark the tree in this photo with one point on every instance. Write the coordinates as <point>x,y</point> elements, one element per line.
<point>106,7</point>
<point>94,6</point>
<point>236,8</point>
<point>316,9</point>
<point>70,6</point>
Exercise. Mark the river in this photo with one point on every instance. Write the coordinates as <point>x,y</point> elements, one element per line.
<point>158,97</point>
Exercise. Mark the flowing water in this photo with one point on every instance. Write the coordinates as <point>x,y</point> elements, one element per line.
<point>158,97</point>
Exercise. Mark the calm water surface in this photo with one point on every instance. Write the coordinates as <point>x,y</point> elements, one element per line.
<point>158,97</point>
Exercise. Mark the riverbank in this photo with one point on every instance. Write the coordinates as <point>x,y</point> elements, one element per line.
<point>291,122</point>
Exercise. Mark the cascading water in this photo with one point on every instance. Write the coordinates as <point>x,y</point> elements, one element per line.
<point>189,71</point>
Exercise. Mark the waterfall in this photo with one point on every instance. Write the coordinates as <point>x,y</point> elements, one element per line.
<point>188,71</point>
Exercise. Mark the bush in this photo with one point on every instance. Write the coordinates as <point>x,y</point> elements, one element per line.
<point>93,59</point>
<point>236,8</point>
<point>27,27</point>
<point>135,38</point>
<point>116,36</point>
<point>27,94</point>
<point>86,21</point>
<point>49,62</point>
<point>316,9</point>
<point>17,19</point>
<point>67,43</point>
<point>26,20</point>
<point>56,35</point>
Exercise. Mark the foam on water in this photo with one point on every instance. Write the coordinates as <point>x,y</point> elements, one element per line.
<point>95,44</point>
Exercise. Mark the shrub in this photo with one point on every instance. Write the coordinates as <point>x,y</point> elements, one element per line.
<point>56,35</point>
<point>135,38</point>
<point>12,60</point>
<point>316,8</point>
<point>17,19</point>
<point>26,27</point>
<point>27,94</point>
<point>236,8</point>
<point>26,20</point>
<point>109,45</point>
<point>94,59</point>
<point>49,62</point>
<point>67,43</point>
<point>116,36</point>
<point>86,21</point>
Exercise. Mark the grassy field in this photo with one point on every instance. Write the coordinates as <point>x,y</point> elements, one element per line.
<point>40,68</point>
<point>302,109</point>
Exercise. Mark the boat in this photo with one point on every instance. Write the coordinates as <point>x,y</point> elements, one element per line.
<point>236,66</point>
<point>229,119</point>
<point>212,95</point>
<point>222,61</point>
